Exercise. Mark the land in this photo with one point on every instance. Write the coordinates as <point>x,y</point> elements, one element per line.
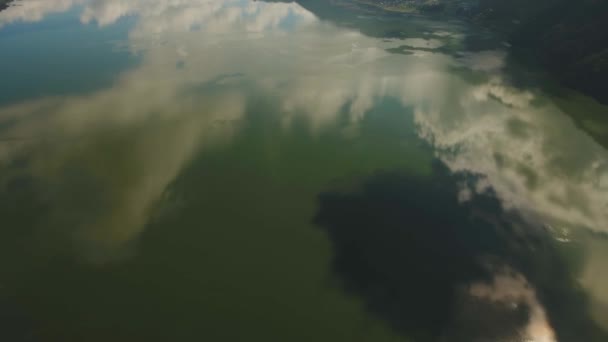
<point>419,6</point>
<point>399,5</point>
<point>570,40</point>
<point>4,4</point>
<point>567,38</point>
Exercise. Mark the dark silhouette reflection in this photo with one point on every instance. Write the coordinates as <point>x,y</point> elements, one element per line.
<point>14,325</point>
<point>4,4</point>
<point>413,253</point>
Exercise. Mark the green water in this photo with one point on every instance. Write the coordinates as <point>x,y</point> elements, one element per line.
<point>271,171</point>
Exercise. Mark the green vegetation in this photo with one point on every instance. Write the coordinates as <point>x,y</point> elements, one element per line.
<point>568,38</point>
<point>571,40</point>
<point>393,5</point>
<point>4,4</point>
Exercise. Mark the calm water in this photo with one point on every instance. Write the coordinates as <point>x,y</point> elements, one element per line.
<point>230,170</point>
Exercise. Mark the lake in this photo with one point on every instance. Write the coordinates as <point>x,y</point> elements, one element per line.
<point>235,170</point>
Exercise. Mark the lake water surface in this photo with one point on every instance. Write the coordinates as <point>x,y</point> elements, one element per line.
<point>235,170</point>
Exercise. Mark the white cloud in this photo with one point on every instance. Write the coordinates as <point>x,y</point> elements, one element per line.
<point>521,145</point>
<point>512,289</point>
<point>491,60</point>
<point>34,10</point>
<point>521,152</point>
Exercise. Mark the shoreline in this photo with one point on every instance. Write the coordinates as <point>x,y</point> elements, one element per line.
<point>549,35</point>
<point>4,4</point>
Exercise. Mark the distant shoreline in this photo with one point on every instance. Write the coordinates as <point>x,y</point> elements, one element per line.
<point>568,39</point>
<point>4,4</point>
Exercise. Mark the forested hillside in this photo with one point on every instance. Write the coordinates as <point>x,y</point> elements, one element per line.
<point>569,38</point>
<point>4,4</point>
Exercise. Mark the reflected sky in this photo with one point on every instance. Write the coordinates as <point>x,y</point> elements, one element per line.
<point>105,161</point>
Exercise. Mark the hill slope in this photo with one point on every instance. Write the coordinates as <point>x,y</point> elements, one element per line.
<point>569,38</point>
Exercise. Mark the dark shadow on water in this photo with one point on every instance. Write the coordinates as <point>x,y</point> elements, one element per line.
<point>15,326</point>
<point>409,249</point>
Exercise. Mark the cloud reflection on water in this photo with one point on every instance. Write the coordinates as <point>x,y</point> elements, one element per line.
<point>34,10</point>
<point>165,118</point>
<point>522,147</point>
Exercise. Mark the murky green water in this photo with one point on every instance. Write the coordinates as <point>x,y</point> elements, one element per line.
<point>230,170</point>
